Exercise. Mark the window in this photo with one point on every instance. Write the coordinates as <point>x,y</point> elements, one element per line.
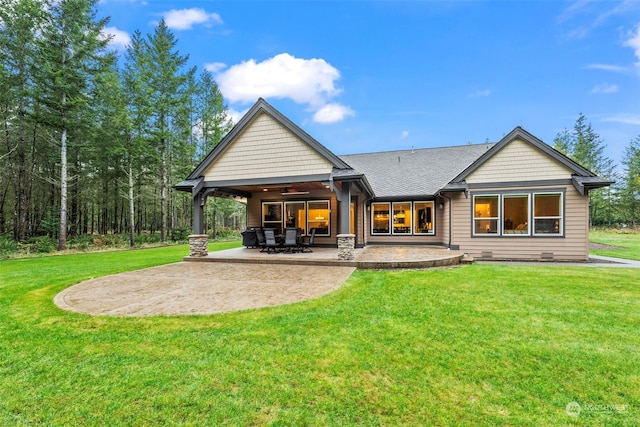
<point>515,211</point>
<point>518,214</point>
<point>423,218</point>
<point>547,216</point>
<point>318,217</point>
<point>486,214</point>
<point>295,215</point>
<point>380,218</point>
<point>402,218</point>
<point>272,216</point>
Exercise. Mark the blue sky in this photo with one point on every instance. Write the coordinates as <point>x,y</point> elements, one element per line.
<point>363,76</point>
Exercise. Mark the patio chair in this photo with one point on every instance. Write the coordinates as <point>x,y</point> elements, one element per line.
<point>271,244</point>
<point>262,243</point>
<point>306,246</point>
<point>291,239</point>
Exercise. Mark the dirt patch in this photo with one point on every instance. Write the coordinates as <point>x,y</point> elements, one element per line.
<point>600,246</point>
<point>200,288</point>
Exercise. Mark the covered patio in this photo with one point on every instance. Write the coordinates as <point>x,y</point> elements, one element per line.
<point>369,257</point>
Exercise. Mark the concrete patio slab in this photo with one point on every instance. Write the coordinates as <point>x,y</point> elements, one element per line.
<point>200,288</point>
<point>369,257</point>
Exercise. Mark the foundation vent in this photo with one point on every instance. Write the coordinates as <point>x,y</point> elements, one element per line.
<point>486,254</point>
<point>547,255</point>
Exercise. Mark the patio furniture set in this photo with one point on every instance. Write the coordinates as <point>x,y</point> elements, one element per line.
<point>291,241</point>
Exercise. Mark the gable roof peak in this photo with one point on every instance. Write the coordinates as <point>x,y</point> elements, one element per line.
<point>520,133</point>
<point>262,106</point>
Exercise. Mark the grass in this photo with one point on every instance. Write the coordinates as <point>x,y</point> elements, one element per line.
<point>477,345</point>
<point>626,243</point>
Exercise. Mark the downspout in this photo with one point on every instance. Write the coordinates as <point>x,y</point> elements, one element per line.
<point>450,209</point>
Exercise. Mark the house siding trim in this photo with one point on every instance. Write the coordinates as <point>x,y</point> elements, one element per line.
<point>511,184</point>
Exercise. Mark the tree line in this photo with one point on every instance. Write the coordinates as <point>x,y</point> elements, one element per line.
<point>93,140</point>
<point>618,204</point>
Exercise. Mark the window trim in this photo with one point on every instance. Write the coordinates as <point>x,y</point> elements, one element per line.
<point>490,218</point>
<point>560,218</point>
<point>328,219</point>
<point>531,193</point>
<point>433,217</point>
<point>529,213</point>
<point>272,223</point>
<point>388,233</point>
<point>410,217</point>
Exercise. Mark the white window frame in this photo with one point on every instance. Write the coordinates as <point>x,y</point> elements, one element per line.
<point>328,219</point>
<point>272,223</point>
<point>497,218</point>
<point>433,217</point>
<point>529,214</point>
<point>560,218</point>
<point>406,216</point>
<point>373,219</point>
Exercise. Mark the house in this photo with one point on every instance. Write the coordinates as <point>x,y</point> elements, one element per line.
<point>514,199</point>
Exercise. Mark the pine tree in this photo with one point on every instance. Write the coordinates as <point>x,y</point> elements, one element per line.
<point>20,22</point>
<point>585,146</point>
<point>73,51</point>
<point>212,121</point>
<point>631,182</point>
<point>168,95</point>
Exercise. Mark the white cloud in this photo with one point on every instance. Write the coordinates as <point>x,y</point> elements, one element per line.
<point>332,113</point>
<point>185,19</point>
<point>626,118</point>
<point>607,67</point>
<point>306,81</point>
<point>236,115</point>
<point>404,134</point>
<point>480,93</point>
<point>605,88</point>
<point>215,67</point>
<point>120,39</point>
<point>634,43</point>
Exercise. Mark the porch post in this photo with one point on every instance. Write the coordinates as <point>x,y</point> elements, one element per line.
<point>198,210</point>
<point>345,207</point>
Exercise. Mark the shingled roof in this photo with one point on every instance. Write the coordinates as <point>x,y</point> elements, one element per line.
<point>414,173</point>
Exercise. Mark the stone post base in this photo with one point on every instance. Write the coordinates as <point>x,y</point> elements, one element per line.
<point>198,245</point>
<point>346,246</point>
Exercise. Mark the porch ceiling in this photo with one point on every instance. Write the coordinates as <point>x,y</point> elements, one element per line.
<point>292,188</point>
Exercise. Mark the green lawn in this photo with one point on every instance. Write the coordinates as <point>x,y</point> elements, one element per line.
<point>476,345</point>
<point>627,244</point>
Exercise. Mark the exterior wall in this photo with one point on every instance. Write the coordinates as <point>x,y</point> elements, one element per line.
<point>572,246</point>
<point>520,166</point>
<point>440,237</point>
<point>518,161</point>
<point>266,149</point>
<point>254,211</point>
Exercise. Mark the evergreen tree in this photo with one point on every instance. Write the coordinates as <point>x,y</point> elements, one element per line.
<point>631,182</point>
<point>585,146</point>
<point>168,83</point>
<point>212,121</point>
<point>72,49</point>
<point>20,22</point>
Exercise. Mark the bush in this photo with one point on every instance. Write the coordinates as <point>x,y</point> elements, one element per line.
<point>180,234</point>
<point>145,238</point>
<point>81,243</point>
<point>225,233</point>
<point>8,246</point>
<point>40,245</point>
